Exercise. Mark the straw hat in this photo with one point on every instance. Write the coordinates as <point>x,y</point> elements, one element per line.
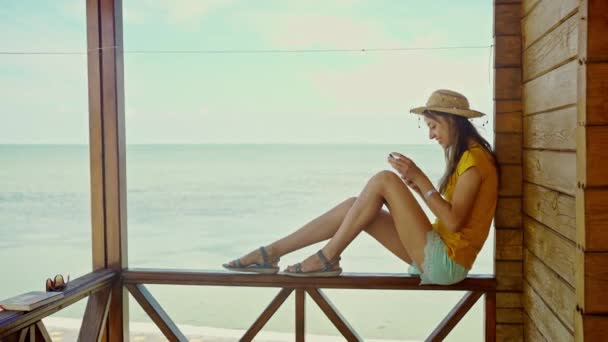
<point>447,101</point>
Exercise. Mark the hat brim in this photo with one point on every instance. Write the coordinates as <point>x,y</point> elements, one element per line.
<point>467,113</point>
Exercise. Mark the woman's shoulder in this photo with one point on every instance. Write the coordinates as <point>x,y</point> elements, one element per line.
<point>475,155</point>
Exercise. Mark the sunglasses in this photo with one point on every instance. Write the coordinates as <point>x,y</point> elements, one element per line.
<point>57,283</point>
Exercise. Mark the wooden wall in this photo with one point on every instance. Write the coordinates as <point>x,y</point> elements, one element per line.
<point>508,144</point>
<point>591,317</point>
<point>549,83</point>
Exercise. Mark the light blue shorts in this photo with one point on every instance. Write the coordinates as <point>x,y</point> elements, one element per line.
<point>438,267</point>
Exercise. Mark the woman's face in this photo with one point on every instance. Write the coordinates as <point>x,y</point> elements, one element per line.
<point>439,129</point>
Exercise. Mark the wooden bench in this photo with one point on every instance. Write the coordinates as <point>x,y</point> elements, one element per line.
<point>475,286</point>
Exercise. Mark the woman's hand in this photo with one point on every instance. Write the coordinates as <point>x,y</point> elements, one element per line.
<point>407,170</point>
<point>412,185</point>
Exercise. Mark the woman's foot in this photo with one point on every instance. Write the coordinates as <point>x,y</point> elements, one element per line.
<point>315,265</point>
<point>258,261</point>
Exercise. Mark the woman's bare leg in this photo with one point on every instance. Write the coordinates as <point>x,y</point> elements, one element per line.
<point>410,221</point>
<point>325,226</point>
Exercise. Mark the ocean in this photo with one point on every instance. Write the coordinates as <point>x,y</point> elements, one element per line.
<point>197,206</point>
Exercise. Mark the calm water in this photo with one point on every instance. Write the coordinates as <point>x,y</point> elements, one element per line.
<point>196,206</point>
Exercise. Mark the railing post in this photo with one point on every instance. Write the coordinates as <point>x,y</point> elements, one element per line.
<point>490,313</point>
<point>108,153</point>
<point>300,315</point>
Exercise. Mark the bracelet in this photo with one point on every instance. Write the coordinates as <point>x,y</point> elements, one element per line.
<point>429,193</point>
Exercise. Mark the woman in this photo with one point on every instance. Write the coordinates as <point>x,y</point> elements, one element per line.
<point>464,204</point>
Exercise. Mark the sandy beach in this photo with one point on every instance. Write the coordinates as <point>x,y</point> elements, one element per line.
<point>66,330</point>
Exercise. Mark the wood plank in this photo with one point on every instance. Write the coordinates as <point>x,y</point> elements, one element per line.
<point>591,327</point>
<point>508,300</point>
<point>510,180</point>
<point>556,293</point>
<point>509,275</point>
<point>594,41</point>
<point>551,130</point>
<point>506,19</point>
<point>551,169</point>
<point>553,209</point>
<point>593,79</point>
<point>300,315</point>
<point>553,90</point>
<point>552,249</point>
<point>507,147</point>
<point>544,17</point>
<point>592,282</point>
<point>334,315</point>
<point>95,137</point>
<point>507,51</point>
<point>454,316</point>
<point>592,219</point>
<point>508,213</point>
<point>507,83</point>
<point>508,122</point>
<point>347,280</point>
<point>507,106</point>
<point>95,316</point>
<point>542,317</point>
<point>554,49</point>
<point>592,155</point>
<point>156,312</point>
<point>509,244</point>
<point>509,316</point>
<point>270,310</point>
<point>509,332</point>
<point>531,332</point>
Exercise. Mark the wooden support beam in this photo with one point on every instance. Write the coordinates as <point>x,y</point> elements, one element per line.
<point>107,151</point>
<point>454,316</point>
<point>95,316</point>
<point>156,312</point>
<point>270,310</point>
<point>300,315</point>
<point>334,315</point>
<point>41,333</point>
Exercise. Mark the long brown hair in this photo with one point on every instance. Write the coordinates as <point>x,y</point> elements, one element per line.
<point>461,133</point>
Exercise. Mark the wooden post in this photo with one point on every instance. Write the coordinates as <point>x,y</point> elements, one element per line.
<point>300,315</point>
<point>107,151</point>
<point>591,317</point>
<point>503,305</point>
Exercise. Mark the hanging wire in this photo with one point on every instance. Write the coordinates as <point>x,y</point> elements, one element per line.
<point>241,51</point>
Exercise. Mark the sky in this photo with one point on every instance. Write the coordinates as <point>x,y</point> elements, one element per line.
<point>296,97</point>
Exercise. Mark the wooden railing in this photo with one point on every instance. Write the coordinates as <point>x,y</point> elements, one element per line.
<point>475,286</point>
<point>17,326</point>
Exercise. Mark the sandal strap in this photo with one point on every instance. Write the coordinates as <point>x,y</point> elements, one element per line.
<point>326,263</point>
<point>267,262</point>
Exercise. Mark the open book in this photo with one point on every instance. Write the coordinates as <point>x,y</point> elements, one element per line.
<point>29,301</point>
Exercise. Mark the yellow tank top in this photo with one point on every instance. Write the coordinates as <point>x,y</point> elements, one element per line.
<point>463,246</point>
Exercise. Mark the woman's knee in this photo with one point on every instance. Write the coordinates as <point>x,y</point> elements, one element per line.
<point>350,201</point>
<point>385,177</point>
